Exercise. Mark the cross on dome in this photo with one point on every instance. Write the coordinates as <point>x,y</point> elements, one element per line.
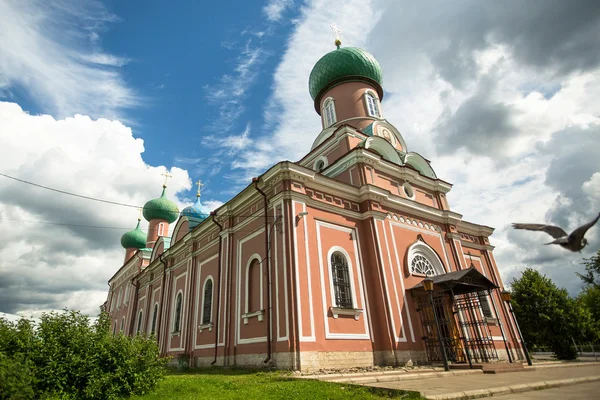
<point>200,185</point>
<point>167,176</point>
<point>336,31</point>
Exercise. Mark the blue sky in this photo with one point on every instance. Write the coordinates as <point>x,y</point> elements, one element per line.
<point>102,97</point>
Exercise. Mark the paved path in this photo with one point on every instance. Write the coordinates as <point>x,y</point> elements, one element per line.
<point>454,384</point>
<point>583,391</point>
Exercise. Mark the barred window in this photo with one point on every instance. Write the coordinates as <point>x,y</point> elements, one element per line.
<point>154,316</point>
<point>139,325</point>
<point>177,320</point>
<point>485,305</point>
<point>341,281</point>
<point>207,306</point>
<point>421,265</point>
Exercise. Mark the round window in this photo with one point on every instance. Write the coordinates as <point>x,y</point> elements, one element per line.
<point>408,190</point>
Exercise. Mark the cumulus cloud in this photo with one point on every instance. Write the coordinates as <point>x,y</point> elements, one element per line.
<point>49,50</point>
<point>275,8</point>
<point>503,99</point>
<point>50,266</point>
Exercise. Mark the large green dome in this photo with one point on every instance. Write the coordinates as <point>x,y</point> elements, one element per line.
<point>135,239</point>
<point>161,208</point>
<point>344,64</point>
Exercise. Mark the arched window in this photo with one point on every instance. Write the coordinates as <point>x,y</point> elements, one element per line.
<point>372,105</point>
<point>115,327</point>
<point>207,302</point>
<point>122,324</point>
<point>177,316</point>
<point>120,297</point>
<point>342,287</point>
<point>113,301</point>
<point>161,229</point>
<point>423,261</point>
<point>154,316</point>
<point>328,113</point>
<point>320,164</point>
<point>421,265</point>
<point>139,325</point>
<point>126,298</point>
<point>253,287</point>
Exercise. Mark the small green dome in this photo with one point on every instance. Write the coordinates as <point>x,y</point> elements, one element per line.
<point>161,208</point>
<point>345,63</point>
<point>135,239</point>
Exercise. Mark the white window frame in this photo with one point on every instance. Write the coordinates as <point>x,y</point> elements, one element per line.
<point>120,297</point>
<point>335,309</point>
<point>126,297</point>
<point>372,104</point>
<point>322,159</point>
<point>161,229</point>
<point>328,118</point>
<point>180,292</point>
<point>260,312</point>
<point>140,322</point>
<point>424,250</point>
<point>122,325</point>
<point>208,325</point>
<point>150,327</point>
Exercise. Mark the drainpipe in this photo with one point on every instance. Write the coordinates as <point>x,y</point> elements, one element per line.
<point>189,345</point>
<point>162,303</point>
<point>219,266</point>
<point>268,310</point>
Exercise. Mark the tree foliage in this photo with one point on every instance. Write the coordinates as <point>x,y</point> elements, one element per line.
<point>67,357</point>
<point>548,316</point>
<point>592,271</point>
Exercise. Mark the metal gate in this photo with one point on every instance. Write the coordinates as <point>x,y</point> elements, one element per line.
<point>477,337</point>
<point>448,329</point>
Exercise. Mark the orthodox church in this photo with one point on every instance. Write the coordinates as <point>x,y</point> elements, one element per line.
<point>321,263</point>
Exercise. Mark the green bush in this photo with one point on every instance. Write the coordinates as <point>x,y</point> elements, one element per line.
<point>564,350</point>
<point>67,357</point>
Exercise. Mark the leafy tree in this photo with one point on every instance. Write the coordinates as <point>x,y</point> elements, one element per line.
<point>67,357</point>
<point>548,316</point>
<point>592,270</point>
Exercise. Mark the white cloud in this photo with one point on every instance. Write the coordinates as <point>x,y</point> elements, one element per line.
<point>275,8</point>
<point>50,50</point>
<point>43,266</point>
<point>436,63</point>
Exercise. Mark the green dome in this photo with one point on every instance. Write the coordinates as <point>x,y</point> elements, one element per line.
<point>345,63</point>
<point>161,208</point>
<point>135,239</point>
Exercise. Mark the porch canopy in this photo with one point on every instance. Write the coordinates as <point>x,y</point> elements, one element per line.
<point>459,282</point>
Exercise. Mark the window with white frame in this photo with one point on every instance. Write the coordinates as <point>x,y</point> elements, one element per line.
<point>154,316</point>
<point>486,308</point>
<point>177,314</point>
<point>207,302</point>
<point>161,229</point>
<point>252,283</point>
<point>126,298</point>
<point>328,113</point>
<point>372,105</point>
<point>342,286</point>
<point>122,324</point>
<point>139,324</point>
<point>120,297</point>
<point>320,164</point>
<point>423,261</point>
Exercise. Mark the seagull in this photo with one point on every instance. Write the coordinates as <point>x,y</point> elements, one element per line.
<point>574,242</point>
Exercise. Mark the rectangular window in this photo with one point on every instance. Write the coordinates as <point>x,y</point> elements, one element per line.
<point>485,305</point>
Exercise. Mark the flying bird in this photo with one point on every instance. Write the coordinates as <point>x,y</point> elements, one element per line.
<point>574,242</point>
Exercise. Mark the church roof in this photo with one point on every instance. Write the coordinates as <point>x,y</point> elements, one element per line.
<point>161,208</point>
<point>463,281</point>
<point>344,64</point>
<point>196,211</point>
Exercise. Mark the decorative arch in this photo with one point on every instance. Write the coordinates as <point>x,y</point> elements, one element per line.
<point>422,260</point>
<point>163,243</point>
<point>320,163</point>
<point>181,229</point>
<point>161,229</point>
<point>154,318</point>
<point>384,148</point>
<point>417,161</point>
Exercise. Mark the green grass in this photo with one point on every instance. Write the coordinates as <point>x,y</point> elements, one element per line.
<point>246,385</point>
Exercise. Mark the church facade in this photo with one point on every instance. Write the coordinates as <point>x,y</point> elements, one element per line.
<point>320,263</point>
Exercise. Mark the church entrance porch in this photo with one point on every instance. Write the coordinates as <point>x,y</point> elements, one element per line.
<point>458,311</point>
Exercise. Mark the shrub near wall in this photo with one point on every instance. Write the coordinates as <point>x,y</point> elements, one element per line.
<point>69,358</point>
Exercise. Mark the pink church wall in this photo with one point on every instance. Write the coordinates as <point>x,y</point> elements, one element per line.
<point>350,103</point>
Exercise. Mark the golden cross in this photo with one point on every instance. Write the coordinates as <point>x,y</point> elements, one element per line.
<point>167,176</point>
<point>140,214</point>
<point>336,35</point>
<point>200,184</point>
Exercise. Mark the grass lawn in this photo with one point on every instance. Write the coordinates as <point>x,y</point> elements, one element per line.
<point>246,385</point>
